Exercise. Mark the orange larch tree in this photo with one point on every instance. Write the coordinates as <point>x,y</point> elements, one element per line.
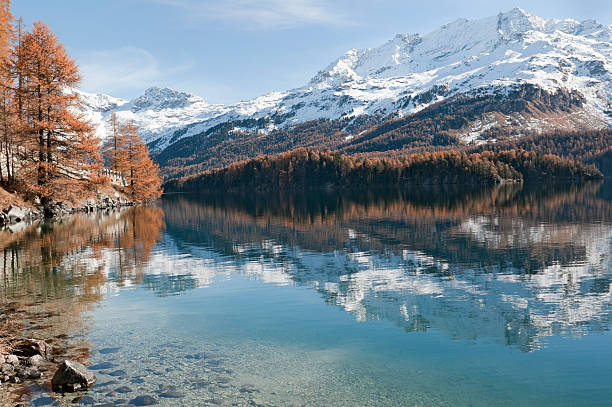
<point>63,151</point>
<point>142,181</point>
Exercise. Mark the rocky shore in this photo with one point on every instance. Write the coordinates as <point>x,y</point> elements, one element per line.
<point>25,360</point>
<point>13,214</point>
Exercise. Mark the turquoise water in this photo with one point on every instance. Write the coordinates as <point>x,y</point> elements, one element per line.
<point>495,296</point>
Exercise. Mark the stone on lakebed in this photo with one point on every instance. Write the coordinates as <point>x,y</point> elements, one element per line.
<point>72,376</point>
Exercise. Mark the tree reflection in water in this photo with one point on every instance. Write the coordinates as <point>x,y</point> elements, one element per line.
<point>53,272</point>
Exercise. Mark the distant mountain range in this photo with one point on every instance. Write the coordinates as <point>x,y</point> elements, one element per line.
<point>468,82</point>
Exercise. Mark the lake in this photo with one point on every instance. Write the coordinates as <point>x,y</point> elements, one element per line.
<point>457,296</point>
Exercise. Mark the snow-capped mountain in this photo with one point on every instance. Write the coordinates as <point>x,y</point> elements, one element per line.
<point>405,75</point>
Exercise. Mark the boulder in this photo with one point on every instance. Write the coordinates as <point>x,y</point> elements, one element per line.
<point>72,376</point>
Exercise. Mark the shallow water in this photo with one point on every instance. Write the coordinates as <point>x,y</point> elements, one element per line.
<point>431,297</point>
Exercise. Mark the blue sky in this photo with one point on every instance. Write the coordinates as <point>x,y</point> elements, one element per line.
<point>231,50</point>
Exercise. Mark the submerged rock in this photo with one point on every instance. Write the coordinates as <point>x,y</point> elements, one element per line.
<point>171,395</point>
<point>143,401</point>
<point>72,376</point>
<point>43,401</point>
<point>87,400</point>
<point>248,388</point>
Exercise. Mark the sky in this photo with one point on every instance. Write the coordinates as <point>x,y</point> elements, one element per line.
<point>231,50</point>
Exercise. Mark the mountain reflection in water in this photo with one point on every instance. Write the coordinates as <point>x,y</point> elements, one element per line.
<point>512,264</point>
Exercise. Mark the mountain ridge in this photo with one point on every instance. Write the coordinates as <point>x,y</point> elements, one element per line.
<point>493,57</point>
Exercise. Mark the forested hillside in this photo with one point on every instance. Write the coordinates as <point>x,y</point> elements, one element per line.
<point>392,139</point>
<point>303,169</point>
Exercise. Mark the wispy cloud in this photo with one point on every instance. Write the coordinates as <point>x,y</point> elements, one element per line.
<point>122,71</point>
<point>260,14</point>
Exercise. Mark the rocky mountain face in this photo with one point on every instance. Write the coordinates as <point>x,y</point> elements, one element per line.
<point>464,83</point>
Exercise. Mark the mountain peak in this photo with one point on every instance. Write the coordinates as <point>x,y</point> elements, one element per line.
<point>97,101</point>
<point>516,12</point>
<point>517,22</point>
<point>158,98</point>
<point>165,93</point>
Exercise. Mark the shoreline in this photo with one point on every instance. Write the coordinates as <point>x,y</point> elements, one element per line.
<point>22,214</point>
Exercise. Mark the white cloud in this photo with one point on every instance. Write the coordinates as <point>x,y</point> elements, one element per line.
<point>262,14</point>
<point>122,71</point>
<point>118,70</point>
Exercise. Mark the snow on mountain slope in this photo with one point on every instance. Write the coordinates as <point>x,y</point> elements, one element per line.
<point>403,76</point>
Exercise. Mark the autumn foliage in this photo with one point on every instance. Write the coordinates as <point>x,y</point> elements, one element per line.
<point>47,149</point>
<point>127,154</point>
